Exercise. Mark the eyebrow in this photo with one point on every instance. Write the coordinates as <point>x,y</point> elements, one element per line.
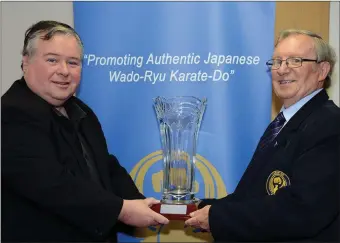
<point>55,54</point>
<point>290,56</point>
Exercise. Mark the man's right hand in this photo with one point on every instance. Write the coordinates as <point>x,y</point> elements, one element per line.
<point>138,213</point>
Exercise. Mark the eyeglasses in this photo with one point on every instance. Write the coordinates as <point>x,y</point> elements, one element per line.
<point>291,62</point>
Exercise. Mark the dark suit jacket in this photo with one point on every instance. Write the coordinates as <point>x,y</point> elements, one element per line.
<point>306,157</point>
<point>46,196</point>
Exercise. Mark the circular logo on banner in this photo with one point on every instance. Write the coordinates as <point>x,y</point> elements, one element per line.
<point>276,180</point>
<point>148,175</point>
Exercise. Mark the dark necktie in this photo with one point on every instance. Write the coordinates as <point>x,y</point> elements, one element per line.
<point>272,130</point>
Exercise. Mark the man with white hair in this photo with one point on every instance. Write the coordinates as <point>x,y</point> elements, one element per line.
<point>290,190</point>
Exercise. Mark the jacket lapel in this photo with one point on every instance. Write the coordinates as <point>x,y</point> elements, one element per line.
<point>94,139</point>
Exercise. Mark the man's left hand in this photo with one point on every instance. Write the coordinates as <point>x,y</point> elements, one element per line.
<point>200,219</point>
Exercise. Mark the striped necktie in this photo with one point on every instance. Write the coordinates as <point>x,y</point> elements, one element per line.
<point>272,130</point>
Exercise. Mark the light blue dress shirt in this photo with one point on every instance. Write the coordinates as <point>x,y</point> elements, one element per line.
<point>290,111</point>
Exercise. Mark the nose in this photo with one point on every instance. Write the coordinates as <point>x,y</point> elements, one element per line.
<point>63,69</point>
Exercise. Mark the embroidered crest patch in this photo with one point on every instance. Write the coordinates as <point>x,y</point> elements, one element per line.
<point>276,180</point>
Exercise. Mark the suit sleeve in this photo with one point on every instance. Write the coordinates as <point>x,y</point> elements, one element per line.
<point>295,212</point>
<point>210,201</point>
<point>31,169</point>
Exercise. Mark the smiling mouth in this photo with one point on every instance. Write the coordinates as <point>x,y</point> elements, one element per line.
<point>61,83</point>
<point>286,81</point>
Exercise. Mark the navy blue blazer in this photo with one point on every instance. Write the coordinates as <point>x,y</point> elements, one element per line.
<point>290,191</point>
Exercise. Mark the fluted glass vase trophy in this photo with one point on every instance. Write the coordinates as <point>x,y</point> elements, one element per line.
<point>179,119</point>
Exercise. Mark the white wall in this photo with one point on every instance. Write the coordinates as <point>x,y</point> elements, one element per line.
<point>16,17</point>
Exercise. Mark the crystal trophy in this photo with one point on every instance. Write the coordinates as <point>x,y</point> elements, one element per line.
<point>179,120</point>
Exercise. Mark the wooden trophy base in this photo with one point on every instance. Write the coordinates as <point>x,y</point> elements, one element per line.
<point>174,211</point>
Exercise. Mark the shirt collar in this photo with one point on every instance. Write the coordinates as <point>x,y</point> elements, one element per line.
<point>74,111</point>
<point>290,111</point>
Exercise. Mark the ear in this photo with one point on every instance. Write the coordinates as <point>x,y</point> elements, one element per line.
<point>324,68</point>
<point>25,60</point>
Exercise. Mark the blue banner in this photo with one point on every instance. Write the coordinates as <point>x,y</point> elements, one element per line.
<point>135,51</point>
